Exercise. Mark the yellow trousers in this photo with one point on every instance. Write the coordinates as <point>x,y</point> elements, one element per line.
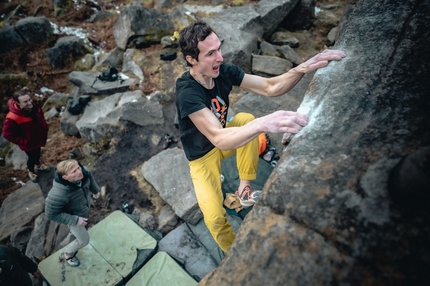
<point>205,174</point>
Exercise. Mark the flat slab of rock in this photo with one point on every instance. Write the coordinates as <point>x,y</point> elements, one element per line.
<point>89,84</point>
<point>20,208</point>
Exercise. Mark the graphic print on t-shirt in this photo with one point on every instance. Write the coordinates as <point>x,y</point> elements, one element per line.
<point>219,108</point>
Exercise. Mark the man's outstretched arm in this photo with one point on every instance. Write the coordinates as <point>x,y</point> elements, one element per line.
<point>278,85</point>
<point>235,137</point>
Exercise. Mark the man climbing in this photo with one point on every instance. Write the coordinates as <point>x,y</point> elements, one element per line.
<point>208,137</point>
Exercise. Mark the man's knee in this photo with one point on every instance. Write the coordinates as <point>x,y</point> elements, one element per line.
<point>245,117</point>
<point>84,241</point>
<point>215,221</point>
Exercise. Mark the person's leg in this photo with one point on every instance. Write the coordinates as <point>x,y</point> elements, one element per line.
<point>205,174</point>
<point>82,239</point>
<point>33,159</point>
<point>247,155</point>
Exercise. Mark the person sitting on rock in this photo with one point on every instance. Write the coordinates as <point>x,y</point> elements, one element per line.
<point>25,126</point>
<point>202,102</point>
<point>69,201</point>
<point>15,266</point>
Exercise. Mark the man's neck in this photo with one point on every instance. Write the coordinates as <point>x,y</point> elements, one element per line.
<point>207,83</point>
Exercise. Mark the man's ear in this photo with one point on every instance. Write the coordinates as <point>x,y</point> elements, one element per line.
<point>191,60</point>
<point>64,177</point>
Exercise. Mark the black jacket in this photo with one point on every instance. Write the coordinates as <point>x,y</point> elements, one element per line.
<point>15,267</point>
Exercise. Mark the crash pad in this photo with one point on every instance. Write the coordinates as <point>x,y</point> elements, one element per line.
<point>118,248</point>
<point>162,270</point>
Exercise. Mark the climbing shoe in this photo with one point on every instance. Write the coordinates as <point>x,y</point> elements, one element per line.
<point>73,261</point>
<point>247,196</point>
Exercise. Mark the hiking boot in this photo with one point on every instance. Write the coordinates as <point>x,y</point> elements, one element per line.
<point>33,177</point>
<point>73,261</point>
<point>42,168</point>
<point>248,197</point>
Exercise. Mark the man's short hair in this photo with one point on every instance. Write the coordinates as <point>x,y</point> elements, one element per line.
<point>190,37</point>
<point>65,166</point>
<point>17,95</point>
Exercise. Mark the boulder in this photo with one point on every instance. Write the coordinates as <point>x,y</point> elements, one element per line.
<point>241,27</point>
<point>169,174</point>
<point>65,49</point>
<point>137,23</point>
<point>300,18</point>
<point>17,158</point>
<point>10,39</point>
<point>20,208</point>
<point>90,84</point>
<point>107,116</point>
<point>34,30</point>
<point>269,65</point>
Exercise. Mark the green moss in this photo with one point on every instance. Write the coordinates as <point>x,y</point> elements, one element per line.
<point>236,3</point>
<point>104,141</point>
<point>5,151</point>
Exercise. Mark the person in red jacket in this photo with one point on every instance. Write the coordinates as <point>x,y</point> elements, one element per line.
<point>25,126</point>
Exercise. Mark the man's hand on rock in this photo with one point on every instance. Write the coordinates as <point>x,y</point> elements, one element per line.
<point>284,121</point>
<point>320,60</point>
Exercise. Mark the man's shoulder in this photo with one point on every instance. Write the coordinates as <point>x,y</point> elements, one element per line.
<point>187,85</point>
<point>58,189</point>
<point>232,73</point>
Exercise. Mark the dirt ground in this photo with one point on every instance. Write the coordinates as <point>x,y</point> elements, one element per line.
<point>110,169</point>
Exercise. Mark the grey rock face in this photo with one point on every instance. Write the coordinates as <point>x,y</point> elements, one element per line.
<point>34,30</point>
<point>20,208</point>
<point>103,116</point>
<point>17,158</point>
<point>326,214</point>
<point>29,30</point>
<point>241,27</point>
<point>270,66</point>
<point>169,174</point>
<point>149,25</point>
<point>68,123</point>
<point>65,48</point>
<point>89,84</point>
<point>10,39</point>
<point>301,16</point>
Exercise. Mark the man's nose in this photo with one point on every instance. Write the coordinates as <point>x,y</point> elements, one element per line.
<point>219,56</point>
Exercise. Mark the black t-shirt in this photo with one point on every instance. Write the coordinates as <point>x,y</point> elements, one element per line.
<point>192,96</point>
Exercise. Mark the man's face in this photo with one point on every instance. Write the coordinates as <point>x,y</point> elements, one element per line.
<point>75,174</point>
<point>210,57</point>
<point>25,102</point>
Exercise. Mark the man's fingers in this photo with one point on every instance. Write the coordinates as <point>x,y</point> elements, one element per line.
<point>322,59</point>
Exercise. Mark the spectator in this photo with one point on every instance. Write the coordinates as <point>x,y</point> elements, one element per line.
<point>15,266</point>
<point>25,126</point>
<point>69,202</point>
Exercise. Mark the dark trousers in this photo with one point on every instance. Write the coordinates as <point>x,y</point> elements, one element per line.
<point>33,159</point>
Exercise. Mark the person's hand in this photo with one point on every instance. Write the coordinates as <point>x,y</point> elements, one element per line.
<point>285,121</point>
<point>82,221</point>
<point>37,273</point>
<point>320,60</point>
<point>96,196</point>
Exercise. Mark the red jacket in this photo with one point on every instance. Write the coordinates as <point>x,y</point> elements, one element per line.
<point>27,129</point>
